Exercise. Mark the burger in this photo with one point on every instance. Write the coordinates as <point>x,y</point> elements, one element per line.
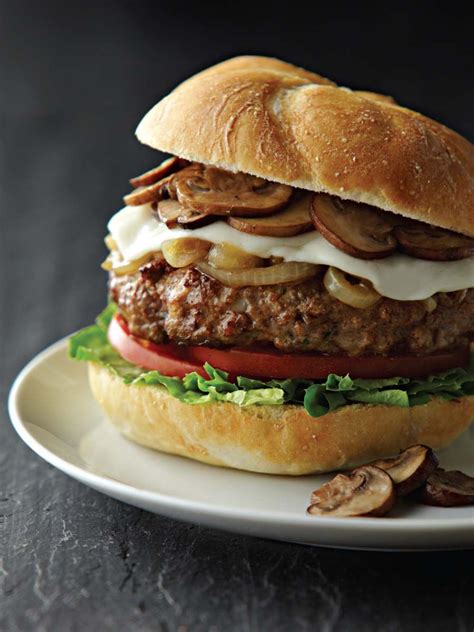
<point>292,291</point>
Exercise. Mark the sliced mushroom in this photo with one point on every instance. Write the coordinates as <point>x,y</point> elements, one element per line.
<point>120,267</point>
<point>293,220</point>
<point>171,213</point>
<point>358,229</point>
<point>215,191</point>
<point>448,489</point>
<point>366,491</point>
<point>168,211</point>
<point>110,242</point>
<point>410,469</point>
<point>430,242</point>
<point>152,193</point>
<point>193,219</point>
<point>158,173</point>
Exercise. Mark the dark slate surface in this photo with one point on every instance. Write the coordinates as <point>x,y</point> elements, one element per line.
<point>75,78</point>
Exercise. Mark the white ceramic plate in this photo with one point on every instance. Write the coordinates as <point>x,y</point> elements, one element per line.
<point>54,413</point>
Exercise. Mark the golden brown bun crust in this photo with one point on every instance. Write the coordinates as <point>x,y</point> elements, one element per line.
<point>274,120</point>
<point>274,439</point>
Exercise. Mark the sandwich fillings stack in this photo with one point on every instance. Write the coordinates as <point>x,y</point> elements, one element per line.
<point>292,291</point>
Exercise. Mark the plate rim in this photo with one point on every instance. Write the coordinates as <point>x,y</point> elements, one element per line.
<point>111,486</point>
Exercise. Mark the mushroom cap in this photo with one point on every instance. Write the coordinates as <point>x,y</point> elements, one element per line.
<point>273,120</point>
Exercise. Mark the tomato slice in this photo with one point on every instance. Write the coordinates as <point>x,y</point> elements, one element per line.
<point>264,363</point>
<point>169,359</point>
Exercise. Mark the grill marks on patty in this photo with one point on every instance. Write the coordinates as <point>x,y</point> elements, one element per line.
<point>182,305</point>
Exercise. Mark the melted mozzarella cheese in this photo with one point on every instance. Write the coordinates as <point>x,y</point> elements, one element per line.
<point>404,278</point>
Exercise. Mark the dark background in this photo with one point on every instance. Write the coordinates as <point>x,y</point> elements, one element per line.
<point>75,78</point>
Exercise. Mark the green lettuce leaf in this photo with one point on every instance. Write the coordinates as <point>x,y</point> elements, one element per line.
<point>318,397</point>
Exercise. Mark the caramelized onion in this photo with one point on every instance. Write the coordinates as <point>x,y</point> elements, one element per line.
<point>180,253</point>
<point>228,257</point>
<point>359,295</point>
<point>110,243</point>
<point>116,264</point>
<point>280,273</point>
<point>430,304</point>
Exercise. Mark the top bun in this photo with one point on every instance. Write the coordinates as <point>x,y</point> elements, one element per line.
<point>271,119</point>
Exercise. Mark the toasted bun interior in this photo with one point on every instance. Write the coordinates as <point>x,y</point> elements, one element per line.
<point>274,439</point>
<point>271,119</point>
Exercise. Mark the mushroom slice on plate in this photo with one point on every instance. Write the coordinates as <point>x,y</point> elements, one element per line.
<point>430,242</point>
<point>158,173</point>
<point>295,219</point>
<point>218,192</point>
<point>171,213</point>
<point>366,491</point>
<point>358,229</point>
<point>410,469</point>
<point>448,489</point>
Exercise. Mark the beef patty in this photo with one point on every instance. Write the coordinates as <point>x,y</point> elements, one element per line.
<point>163,304</point>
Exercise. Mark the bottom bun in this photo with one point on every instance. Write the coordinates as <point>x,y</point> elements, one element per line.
<point>274,439</point>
